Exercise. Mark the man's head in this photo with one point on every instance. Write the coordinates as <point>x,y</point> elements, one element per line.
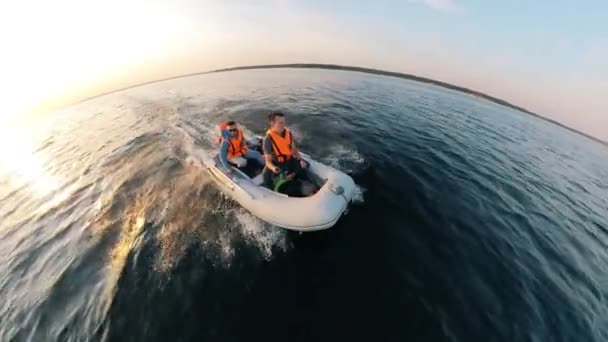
<point>232,129</point>
<point>277,121</point>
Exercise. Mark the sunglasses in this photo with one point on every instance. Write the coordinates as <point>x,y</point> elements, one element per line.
<point>232,130</point>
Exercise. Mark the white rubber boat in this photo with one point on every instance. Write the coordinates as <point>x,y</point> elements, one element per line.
<point>333,192</point>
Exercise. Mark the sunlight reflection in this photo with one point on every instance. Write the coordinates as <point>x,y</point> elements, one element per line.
<point>19,165</point>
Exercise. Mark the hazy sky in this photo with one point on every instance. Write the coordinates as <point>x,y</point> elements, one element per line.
<point>548,56</point>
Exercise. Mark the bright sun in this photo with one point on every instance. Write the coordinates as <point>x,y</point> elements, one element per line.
<point>54,47</point>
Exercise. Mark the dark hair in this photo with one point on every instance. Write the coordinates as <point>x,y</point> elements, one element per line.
<point>230,123</point>
<point>273,115</point>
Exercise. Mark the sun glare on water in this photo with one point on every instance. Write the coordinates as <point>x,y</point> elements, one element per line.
<point>20,165</point>
<point>52,48</point>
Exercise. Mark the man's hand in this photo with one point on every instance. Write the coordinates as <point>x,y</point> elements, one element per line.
<point>275,169</point>
<point>303,163</point>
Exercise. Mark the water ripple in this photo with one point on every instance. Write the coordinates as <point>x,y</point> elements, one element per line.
<point>474,222</point>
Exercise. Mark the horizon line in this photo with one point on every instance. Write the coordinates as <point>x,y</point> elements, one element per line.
<point>361,70</point>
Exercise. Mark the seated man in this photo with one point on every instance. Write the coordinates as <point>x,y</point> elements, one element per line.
<point>280,151</point>
<point>233,147</point>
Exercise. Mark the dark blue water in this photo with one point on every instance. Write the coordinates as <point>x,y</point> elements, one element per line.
<point>475,222</point>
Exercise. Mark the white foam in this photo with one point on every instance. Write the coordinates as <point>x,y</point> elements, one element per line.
<point>358,197</point>
<point>348,161</point>
<point>226,247</point>
<point>263,236</point>
<point>345,159</point>
<point>196,155</point>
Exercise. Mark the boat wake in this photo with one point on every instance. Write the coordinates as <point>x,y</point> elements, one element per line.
<point>349,161</point>
<point>189,211</point>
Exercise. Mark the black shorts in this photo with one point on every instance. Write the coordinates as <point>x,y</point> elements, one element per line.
<point>290,166</point>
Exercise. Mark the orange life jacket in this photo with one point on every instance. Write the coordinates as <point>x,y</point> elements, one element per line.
<point>236,145</point>
<point>282,146</point>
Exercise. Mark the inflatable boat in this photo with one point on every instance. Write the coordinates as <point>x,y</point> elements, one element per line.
<point>314,201</point>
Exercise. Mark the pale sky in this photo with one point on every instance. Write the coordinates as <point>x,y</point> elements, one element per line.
<point>548,56</point>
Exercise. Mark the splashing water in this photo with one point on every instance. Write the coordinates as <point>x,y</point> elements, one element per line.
<point>262,235</point>
<point>350,161</point>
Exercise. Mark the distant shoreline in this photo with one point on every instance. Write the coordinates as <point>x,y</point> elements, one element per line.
<point>367,71</point>
<point>408,77</point>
